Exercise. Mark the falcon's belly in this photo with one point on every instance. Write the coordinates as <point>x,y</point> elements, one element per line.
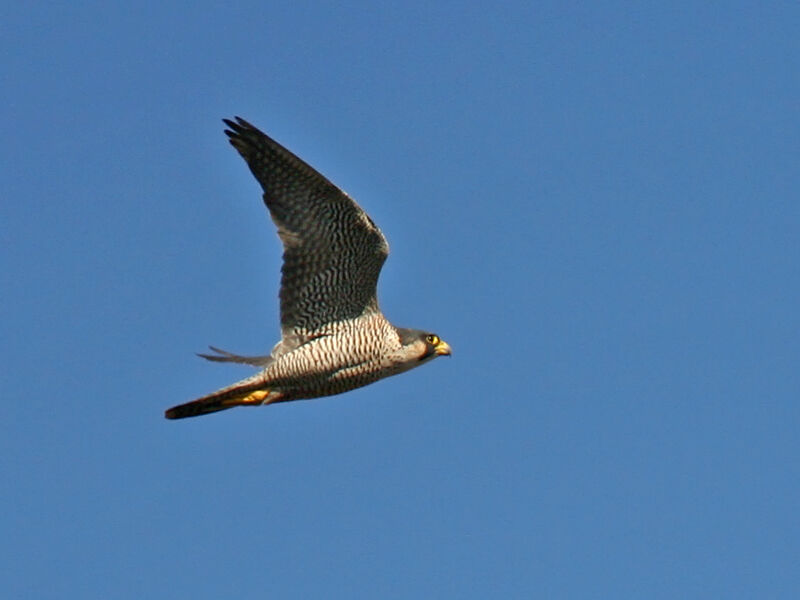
<point>352,356</point>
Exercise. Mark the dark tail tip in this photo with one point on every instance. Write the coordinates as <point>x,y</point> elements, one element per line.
<point>194,409</point>
<point>173,413</point>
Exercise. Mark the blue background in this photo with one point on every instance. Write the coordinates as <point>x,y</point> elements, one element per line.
<point>596,205</point>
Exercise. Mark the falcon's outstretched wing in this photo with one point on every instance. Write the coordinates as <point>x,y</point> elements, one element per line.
<point>333,252</point>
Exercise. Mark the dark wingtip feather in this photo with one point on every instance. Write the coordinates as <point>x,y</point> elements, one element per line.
<point>239,126</point>
<point>243,136</point>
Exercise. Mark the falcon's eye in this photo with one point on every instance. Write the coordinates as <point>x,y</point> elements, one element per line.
<point>432,339</point>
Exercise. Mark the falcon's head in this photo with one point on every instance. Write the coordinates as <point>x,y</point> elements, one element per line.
<point>419,346</point>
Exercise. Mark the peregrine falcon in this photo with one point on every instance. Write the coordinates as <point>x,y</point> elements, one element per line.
<point>334,337</point>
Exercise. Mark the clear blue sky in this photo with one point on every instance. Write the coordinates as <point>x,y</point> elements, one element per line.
<point>597,206</point>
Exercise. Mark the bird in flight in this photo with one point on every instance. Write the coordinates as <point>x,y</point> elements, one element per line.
<point>334,337</point>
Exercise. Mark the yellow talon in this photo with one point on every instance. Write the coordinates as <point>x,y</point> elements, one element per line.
<point>256,397</point>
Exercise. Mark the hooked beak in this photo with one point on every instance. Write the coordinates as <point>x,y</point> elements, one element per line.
<point>442,348</point>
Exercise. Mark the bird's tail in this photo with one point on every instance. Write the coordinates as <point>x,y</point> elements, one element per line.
<point>244,393</point>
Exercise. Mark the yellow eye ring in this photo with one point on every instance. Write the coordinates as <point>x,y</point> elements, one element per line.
<point>432,339</point>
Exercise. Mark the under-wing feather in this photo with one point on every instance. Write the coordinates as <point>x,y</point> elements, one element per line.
<point>333,252</point>
<point>224,356</point>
